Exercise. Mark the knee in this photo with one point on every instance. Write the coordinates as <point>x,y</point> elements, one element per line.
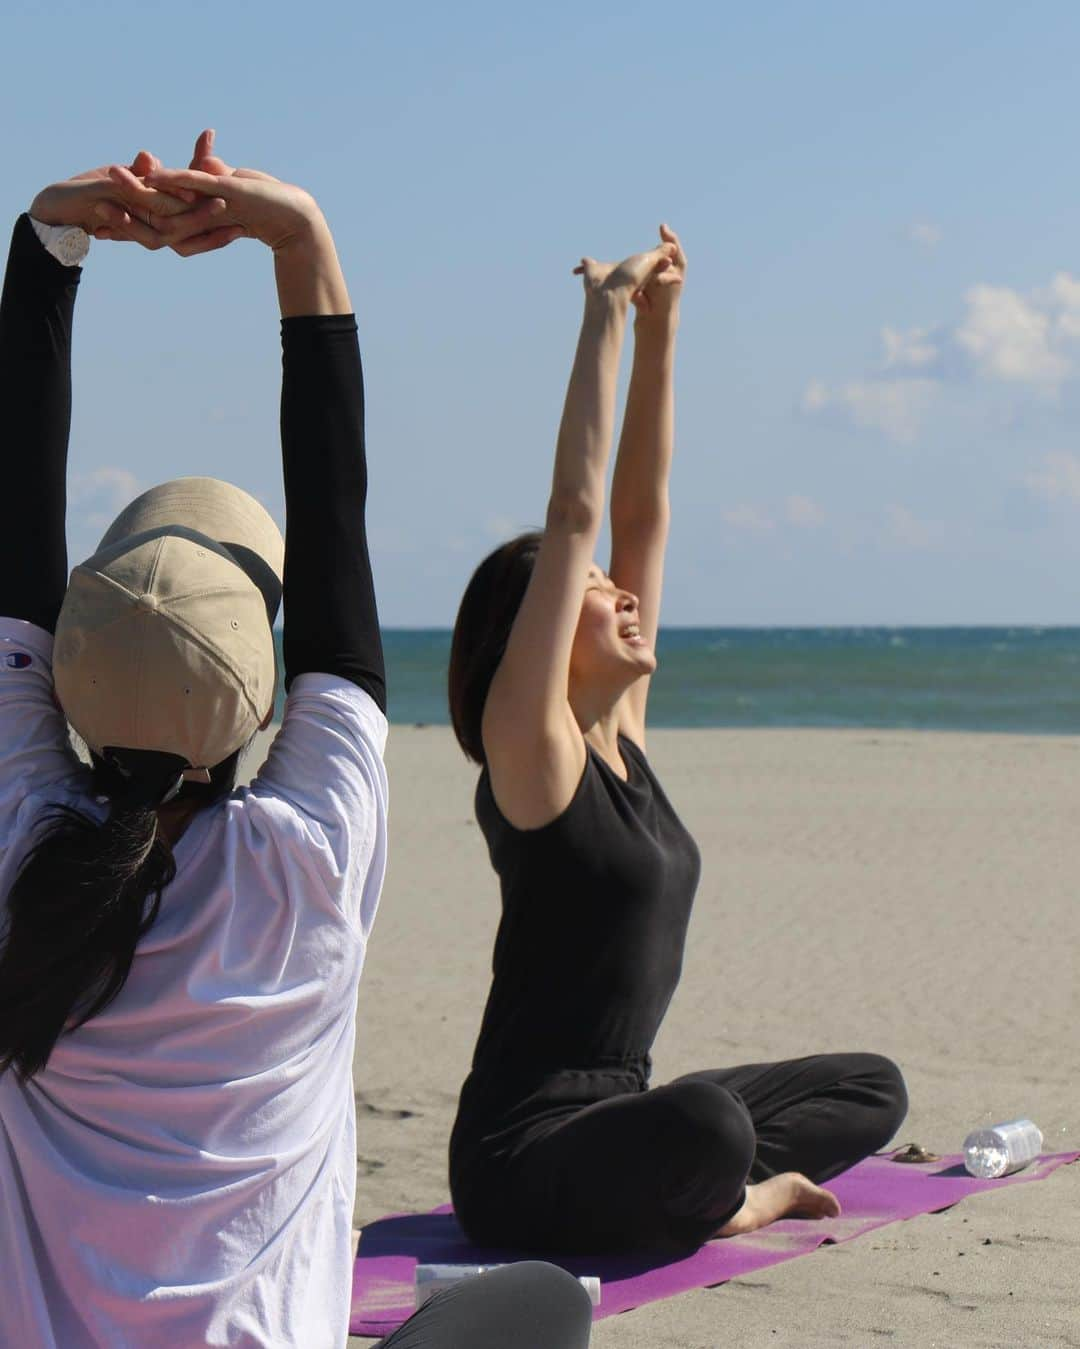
<point>702,1121</point>
<point>547,1297</point>
<point>706,1151</point>
<point>886,1090</point>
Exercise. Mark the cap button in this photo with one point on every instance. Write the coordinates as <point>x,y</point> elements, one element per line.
<point>148,602</point>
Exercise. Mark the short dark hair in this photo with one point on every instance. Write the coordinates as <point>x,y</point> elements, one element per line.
<point>488,609</point>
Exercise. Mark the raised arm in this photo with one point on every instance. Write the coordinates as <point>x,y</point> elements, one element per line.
<point>35,403</point>
<point>36,313</point>
<point>640,512</point>
<point>533,746</point>
<point>331,619</point>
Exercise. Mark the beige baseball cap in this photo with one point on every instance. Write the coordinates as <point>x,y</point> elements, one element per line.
<point>164,640</point>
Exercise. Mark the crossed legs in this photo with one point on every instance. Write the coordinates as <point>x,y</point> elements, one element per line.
<point>813,1118</point>
<point>671,1166</point>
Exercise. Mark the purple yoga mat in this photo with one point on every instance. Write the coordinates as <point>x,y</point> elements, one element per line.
<point>876,1192</point>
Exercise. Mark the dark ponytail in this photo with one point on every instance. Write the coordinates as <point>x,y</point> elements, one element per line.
<point>82,899</point>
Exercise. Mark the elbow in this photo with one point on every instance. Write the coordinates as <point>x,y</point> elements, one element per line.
<point>573,513</point>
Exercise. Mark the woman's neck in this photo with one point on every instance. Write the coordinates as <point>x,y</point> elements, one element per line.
<point>174,818</point>
<point>600,727</point>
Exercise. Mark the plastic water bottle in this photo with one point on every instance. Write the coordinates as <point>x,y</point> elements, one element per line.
<point>1002,1149</point>
<point>432,1279</point>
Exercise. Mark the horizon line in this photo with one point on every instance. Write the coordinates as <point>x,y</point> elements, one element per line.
<point>924,626</point>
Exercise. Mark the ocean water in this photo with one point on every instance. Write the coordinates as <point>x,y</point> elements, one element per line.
<point>975,679</point>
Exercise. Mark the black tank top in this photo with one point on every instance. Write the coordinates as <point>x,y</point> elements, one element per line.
<point>590,945</point>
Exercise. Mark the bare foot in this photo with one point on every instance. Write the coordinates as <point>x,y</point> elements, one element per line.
<point>790,1195</point>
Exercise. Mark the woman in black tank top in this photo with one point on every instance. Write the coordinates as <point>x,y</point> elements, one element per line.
<point>560,1142</point>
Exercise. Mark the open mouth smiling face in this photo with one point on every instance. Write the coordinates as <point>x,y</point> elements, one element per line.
<point>609,629</point>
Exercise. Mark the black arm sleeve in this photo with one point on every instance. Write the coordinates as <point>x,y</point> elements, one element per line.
<point>35,418</point>
<point>331,619</point>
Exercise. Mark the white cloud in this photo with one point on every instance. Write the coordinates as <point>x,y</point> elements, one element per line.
<point>895,406</point>
<point>911,350</point>
<point>1026,341</point>
<point>905,529</point>
<point>1062,297</point>
<point>924,234</point>
<point>816,397</point>
<point>797,511</point>
<point>100,495</point>
<point>803,512</point>
<point>747,519</point>
<point>502,528</point>
<point>1010,338</point>
<point>1058,479</point>
<point>118,485</point>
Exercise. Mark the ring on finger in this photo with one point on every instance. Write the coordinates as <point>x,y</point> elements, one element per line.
<point>149,220</point>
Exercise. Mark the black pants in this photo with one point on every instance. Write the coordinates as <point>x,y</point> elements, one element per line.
<point>523,1306</point>
<point>668,1166</point>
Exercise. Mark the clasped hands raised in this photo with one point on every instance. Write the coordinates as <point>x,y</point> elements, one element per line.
<point>210,204</point>
<point>651,281</point>
<point>195,210</point>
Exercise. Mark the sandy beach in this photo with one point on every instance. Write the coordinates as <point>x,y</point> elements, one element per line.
<point>910,893</point>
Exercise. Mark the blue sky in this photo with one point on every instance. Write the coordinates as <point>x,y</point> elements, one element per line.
<point>879,383</point>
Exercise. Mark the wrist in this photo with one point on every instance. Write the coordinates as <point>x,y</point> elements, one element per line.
<point>606,307</point>
<point>308,274</point>
<point>63,204</point>
<point>304,235</point>
<point>656,328</point>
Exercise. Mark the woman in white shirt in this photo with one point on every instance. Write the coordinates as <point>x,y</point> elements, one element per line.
<point>179,958</point>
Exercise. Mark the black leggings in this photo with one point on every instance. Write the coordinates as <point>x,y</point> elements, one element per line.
<point>528,1305</point>
<point>669,1166</point>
